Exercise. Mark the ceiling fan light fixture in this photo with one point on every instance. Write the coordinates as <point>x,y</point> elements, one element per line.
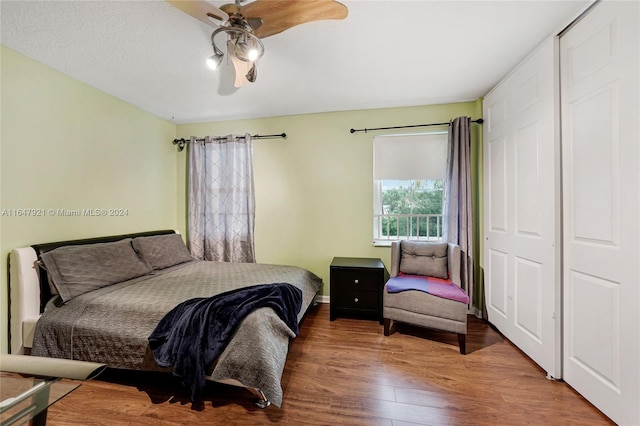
<point>252,74</point>
<point>214,61</point>
<point>248,49</point>
<point>242,44</point>
<point>247,53</point>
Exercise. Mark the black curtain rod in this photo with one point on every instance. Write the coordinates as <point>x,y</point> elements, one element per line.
<point>183,142</point>
<point>479,121</point>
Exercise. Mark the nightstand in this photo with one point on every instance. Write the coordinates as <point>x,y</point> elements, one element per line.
<point>357,284</point>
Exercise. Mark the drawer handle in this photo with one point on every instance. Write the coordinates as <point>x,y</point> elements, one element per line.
<point>355,300</point>
<point>355,281</point>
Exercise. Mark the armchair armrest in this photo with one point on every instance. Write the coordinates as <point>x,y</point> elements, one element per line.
<point>395,259</point>
<point>454,264</point>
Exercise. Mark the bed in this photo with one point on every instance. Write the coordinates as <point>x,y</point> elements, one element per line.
<point>109,319</point>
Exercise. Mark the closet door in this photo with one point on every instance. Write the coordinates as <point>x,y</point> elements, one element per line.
<point>601,189</point>
<point>521,268</point>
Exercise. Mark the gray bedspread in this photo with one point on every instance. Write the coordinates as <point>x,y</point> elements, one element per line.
<point>111,325</point>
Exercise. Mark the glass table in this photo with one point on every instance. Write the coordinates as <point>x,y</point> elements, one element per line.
<point>29,385</point>
<point>27,398</point>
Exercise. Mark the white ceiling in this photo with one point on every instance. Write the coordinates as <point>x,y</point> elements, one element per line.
<point>384,54</point>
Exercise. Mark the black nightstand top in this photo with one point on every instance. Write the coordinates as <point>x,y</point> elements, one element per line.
<point>357,262</point>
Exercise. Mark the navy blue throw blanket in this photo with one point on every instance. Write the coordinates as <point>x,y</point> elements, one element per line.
<point>194,333</point>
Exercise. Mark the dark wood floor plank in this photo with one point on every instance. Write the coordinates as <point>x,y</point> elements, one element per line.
<point>346,372</point>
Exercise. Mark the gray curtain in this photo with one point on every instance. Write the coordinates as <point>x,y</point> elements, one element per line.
<point>458,211</point>
<point>221,208</point>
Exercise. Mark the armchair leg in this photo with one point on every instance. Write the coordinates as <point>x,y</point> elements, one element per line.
<point>462,342</point>
<point>387,326</point>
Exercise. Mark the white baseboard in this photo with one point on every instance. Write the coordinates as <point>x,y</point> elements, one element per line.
<point>323,299</point>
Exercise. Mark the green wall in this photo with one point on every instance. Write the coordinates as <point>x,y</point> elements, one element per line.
<point>66,145</point>
<point>314,190</point>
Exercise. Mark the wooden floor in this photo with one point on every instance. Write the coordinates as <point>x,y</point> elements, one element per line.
<point>346,372</point>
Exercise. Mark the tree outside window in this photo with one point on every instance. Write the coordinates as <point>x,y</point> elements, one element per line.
<point>411,208</point>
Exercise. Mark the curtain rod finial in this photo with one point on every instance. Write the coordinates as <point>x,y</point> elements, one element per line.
<point>181,143</point>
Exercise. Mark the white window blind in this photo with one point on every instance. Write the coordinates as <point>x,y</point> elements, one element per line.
<point>410,157</point>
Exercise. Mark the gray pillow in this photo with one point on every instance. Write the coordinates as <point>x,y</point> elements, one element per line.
<point>162,251</point>
<point>424,258</point>
<point>75,270</point>
<point>42,269</point>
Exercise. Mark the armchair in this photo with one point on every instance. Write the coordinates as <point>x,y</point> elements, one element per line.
<point>424,288</point>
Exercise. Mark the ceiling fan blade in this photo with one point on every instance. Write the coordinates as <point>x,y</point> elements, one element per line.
<point>202,10</point>
<point>280,15</point>
<point>241,67</point>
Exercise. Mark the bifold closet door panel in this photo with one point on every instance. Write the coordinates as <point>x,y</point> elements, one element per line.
<point>521,167</point>
<point>601,197</point>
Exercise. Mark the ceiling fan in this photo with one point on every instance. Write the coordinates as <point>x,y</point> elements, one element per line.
<point>246,25</point>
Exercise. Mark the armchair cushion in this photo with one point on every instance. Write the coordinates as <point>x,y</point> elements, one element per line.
<point>434,286</point>
<point>421,258</point>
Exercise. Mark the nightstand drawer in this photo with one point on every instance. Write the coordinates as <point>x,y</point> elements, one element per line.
<point>357,300</point>
<point>358,280</point>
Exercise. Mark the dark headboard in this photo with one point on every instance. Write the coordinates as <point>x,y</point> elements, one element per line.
<point>45,290</point>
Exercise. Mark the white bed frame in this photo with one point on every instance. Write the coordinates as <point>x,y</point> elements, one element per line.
<point>24,298</point>
<point>25,309</point>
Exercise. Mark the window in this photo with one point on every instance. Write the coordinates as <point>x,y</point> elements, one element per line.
<point>409,172</point>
